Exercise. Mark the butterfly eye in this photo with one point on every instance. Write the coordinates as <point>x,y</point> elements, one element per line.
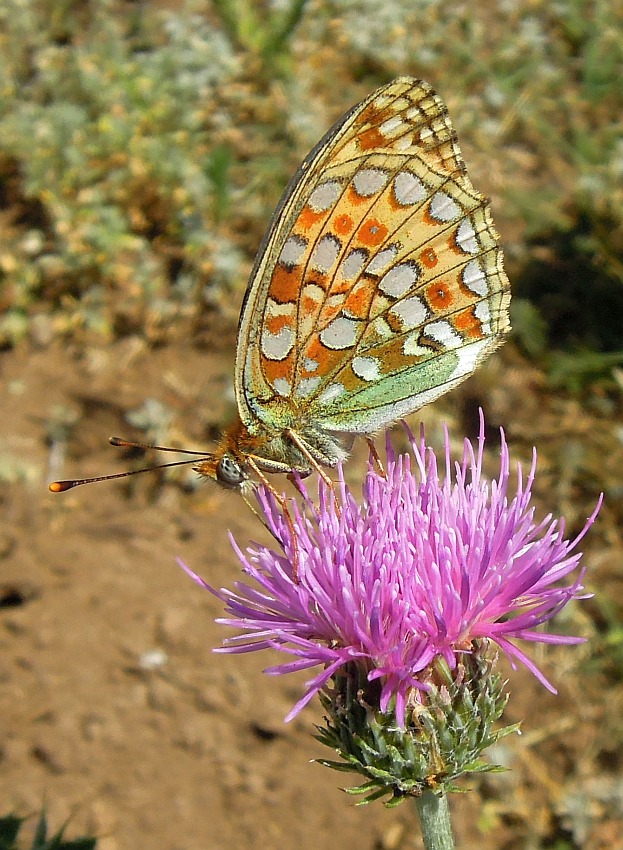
<point>229,473</point>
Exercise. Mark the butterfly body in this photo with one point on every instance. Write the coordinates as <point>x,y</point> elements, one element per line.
<point>378,287</point>
<point>241,451</point>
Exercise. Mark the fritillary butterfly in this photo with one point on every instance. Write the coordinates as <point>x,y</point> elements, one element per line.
<point>378,287</point>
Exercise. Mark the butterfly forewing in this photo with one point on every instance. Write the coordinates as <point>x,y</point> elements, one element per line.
<point>380,284</point>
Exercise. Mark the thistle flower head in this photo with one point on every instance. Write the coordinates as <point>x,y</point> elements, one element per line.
<point>427,566</point>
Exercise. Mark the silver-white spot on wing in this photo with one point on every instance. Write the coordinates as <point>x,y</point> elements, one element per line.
<point>332,392</point>
<point>392,126</point>
<point>408,189</point>
<point>308,385</point>
<point>466,237</point>
<point>469,357</point>
<point>483,314</point>
<point>443,208</point>
<point>350,268</point>
<point>369,181</point>
<point>382,260</point>
<point>341,333</point>
<point>366,368</point>
<point>277,346</point>
<point>324,196</point>
<point>292,251</point>
<point>411,312</point>
<point>443,333</point>
<point>325,254</point>
<point>399,280</point>
<point>474,278</point>
<point>282,386</point>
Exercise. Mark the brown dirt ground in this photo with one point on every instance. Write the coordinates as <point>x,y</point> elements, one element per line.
<point>114,709</point>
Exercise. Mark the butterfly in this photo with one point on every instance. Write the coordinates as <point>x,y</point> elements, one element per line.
<point>378,287</point>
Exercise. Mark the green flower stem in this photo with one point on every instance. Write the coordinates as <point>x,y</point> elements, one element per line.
<point>434,813</point>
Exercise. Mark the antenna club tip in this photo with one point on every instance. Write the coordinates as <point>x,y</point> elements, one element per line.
<point>116,441</point>
<point>59,486</point>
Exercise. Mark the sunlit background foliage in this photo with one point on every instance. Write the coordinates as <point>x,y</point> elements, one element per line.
<point>143,146</point>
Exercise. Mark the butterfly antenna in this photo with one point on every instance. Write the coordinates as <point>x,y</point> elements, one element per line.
<point>131,444</point>
<point>63,486</point>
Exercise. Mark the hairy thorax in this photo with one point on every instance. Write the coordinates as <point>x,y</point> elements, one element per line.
<point>295,448</point>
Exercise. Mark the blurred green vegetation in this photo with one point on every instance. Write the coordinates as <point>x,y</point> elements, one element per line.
<point>142,149</point>
<point>10,826</point>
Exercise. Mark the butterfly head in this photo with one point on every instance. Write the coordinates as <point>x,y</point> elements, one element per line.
<point>224,468</point>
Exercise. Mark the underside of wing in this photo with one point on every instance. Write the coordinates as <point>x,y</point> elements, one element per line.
<point>380,284</point>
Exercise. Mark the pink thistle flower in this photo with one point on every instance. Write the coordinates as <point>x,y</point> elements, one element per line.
<point>425,568</point>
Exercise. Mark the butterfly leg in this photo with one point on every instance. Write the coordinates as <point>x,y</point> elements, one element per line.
<point>282,501</point>
<point>294,437</point>
<point>375,457</point>
<point>300,444</point>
